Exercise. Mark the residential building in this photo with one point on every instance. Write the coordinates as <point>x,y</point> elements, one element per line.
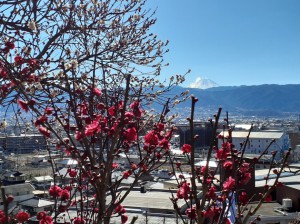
<point>42,182</point>
<point>23,143</point>
<point>13,177</point>
<point>259,141</point>
<point>20,192</point>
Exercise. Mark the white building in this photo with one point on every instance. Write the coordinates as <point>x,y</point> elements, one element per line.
<point>259,141</point>
<point>42,182</point>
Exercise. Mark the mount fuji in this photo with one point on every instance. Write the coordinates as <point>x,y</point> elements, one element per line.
<point>203,83</point>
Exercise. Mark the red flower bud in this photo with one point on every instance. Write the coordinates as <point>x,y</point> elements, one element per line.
<point>9,198</point>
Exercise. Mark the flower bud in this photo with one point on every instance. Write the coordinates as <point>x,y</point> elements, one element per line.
<point>9,198</point>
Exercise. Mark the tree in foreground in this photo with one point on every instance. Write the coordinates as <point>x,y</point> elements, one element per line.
<point>84,74</point>
<point>224,197</point>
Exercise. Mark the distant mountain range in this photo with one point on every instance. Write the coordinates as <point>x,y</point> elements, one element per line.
<point>260,100</point>
<point>273,99</point>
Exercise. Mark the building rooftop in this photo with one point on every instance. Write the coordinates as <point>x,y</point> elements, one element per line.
<point>11,189</point>
<point>67,162</point>
<point>14,174</point>
<point>291,181</point>
<point>271,212</point>
<point>151,200</point>
<point>42,178</point>
<point>36,202</point>
<point>243,126</point>
<point>255,134</point>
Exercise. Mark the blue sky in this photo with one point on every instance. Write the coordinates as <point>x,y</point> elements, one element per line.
<point>232,42</point>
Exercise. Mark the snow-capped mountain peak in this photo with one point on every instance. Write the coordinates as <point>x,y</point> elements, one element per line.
<point>203,83</point>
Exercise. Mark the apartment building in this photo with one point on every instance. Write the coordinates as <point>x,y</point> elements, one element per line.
<point>23,143</point>
<point>260,140</point>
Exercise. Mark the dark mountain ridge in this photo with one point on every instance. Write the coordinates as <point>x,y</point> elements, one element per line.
<point>262,100</point>
<point>276,98</point>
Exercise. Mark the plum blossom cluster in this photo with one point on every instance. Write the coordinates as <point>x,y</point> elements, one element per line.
<point>155,148</point>
<point>22,70</point>
<point>23,217</point>
<point>43,218</point>
<point>120,210</point>
<point>20,217</point>
<point>57,192</point>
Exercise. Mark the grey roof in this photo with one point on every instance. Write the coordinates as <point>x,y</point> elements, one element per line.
<point>14,174</point>
<point>266,210</point>
<point>287,178</point>
<point>163,217</point>
<point>255,134</point>
<point>36,202</point>
<point>10,189</point>
<point>151,199</point>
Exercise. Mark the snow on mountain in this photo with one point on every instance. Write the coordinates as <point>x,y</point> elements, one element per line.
<point>201,83</point>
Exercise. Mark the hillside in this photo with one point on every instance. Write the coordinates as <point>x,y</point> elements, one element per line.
<point>261,100</point>
<point>264,98</point>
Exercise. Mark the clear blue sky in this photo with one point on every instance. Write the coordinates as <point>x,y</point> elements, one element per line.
<point>232,42</point>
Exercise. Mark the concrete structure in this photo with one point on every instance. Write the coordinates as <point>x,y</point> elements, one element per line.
<point>259,141</point>
<point>270,213</point>
<point>202,129</point>
<point>23,143</point>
